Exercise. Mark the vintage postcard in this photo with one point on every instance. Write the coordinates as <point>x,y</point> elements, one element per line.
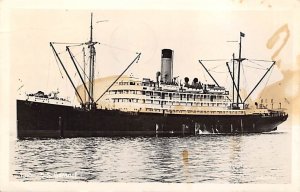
<point>150,96</point>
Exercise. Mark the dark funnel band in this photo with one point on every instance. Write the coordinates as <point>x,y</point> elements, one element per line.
<point>166,53</point>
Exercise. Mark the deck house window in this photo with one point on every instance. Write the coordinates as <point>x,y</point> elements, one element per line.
<point>212,97</point>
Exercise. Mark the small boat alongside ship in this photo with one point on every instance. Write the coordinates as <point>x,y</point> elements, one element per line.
<point>129,106</point>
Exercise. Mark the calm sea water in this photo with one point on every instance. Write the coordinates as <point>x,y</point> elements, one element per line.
<point>252,158</point>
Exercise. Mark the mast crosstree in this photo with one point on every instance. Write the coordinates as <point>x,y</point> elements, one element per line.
<point>236,85</point>
<point>91,104</point>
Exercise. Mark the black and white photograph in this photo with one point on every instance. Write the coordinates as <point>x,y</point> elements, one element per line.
<point>150,96</point>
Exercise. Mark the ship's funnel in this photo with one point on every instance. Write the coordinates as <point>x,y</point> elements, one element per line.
<point>166,65</point>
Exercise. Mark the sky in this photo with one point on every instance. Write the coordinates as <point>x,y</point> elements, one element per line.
<point>193,35</point>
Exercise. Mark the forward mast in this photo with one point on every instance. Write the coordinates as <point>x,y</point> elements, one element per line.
<point>92,102</point>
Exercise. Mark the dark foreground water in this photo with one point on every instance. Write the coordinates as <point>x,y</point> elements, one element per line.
<point>253,158</point>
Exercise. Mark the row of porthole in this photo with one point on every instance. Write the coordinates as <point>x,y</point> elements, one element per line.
<point>167,94</point>
<point>188,111</point>
<point>187,104</point>
<point>48,101</point>
<point>148,101</point>
<point>128,83</point>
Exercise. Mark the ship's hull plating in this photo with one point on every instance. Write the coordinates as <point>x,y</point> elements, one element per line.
<point>47,120</point>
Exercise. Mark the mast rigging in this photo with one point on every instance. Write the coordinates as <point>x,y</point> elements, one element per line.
<point>56,54</point>
<point>83,82</point>
<point>240,59</point>
<point>260,81</point>
<point>135,59</point>
<point>91,104</point>
<point>232,78</point>
<point>236,86</point>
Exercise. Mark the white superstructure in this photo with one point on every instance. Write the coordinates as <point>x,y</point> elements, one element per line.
<point>51,98</point>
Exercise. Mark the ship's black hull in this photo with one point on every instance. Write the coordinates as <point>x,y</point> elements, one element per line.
<point>53,121</point>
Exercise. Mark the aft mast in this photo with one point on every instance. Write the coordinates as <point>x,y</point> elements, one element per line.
<point>240,59</point>
<point>239,103</point>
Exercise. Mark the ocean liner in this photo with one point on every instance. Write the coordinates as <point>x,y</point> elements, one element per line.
<point>124,105</point>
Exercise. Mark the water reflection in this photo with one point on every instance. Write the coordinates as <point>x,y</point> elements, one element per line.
<point>256,158</point>
<point>86,158</point>
<point>236,163</point>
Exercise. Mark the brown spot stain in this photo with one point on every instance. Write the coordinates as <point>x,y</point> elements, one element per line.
<point>185,157</point>
<point>287,90</point>
<point>275,38</point>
